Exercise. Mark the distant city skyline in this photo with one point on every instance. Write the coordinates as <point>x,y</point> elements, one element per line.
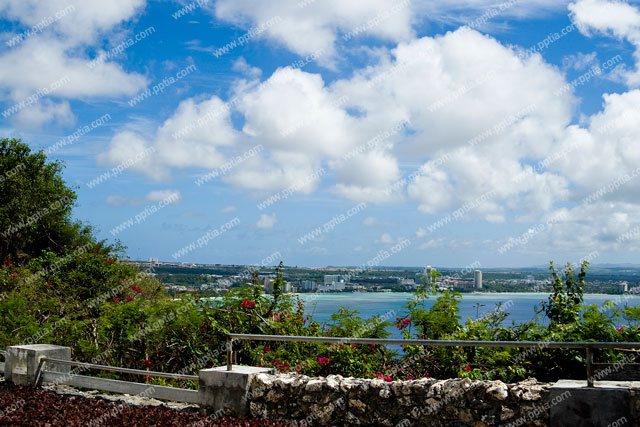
<point>502,134</point>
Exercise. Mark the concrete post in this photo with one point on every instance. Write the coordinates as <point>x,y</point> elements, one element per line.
<point>227,391</point>
<point>22,362</point>
<point>574,403</point>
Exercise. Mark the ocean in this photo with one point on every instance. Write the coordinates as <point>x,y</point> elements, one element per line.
<point>520,306</point>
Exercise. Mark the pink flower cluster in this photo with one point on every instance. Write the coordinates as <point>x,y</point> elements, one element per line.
<point>322,360</point>
<point>402,323</point>
<point>384,377</point>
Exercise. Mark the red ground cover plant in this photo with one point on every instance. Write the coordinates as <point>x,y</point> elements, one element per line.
<point>28,406</point>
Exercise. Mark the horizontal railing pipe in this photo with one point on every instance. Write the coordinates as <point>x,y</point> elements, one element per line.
<point>437,343</point>
<point>121,370</point>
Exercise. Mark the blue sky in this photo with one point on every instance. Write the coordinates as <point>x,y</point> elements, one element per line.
<point>368,133</point>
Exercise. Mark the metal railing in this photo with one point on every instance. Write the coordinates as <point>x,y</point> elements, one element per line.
<point>587,346</point>
<point>111,369</point>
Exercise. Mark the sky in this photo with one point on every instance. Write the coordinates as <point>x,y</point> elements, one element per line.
<point>324,132</point>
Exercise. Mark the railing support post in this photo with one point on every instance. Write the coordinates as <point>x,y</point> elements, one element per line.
<point>229,354</point>
<point>589,367</point>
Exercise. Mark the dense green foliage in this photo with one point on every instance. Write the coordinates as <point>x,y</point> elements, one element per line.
<point>59,285</point>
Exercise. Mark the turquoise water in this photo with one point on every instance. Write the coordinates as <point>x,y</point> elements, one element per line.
<point>520,306</point>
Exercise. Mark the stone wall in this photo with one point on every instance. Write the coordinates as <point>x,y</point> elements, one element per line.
<point>335,400</point>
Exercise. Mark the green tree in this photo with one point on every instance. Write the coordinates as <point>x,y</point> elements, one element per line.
<point>566,300</point>
<point>35,205</point>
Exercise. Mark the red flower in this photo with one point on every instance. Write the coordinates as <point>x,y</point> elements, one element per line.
<point>246,304</point>
<point>267,350</point>
<point>322,360</point>
<point>406,321</point>
<point>384,377</point>
<point>129,299</point>
<point>204,328</point>
<point>146,363</point>
<point>137,289</point>
<point>116,300</point>
<point>48,283</point>
<point>467,368</point>
<point>14,275</point>
<point>409,378</point>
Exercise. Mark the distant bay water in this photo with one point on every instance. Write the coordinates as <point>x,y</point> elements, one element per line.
<point>520,306</point>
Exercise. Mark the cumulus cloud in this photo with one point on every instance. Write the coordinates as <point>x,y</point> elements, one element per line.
<point>191,137</point>
<point>63,49</point>
<point>605,154</point>
<point>305,27</point>
<point>267,221</point>
<point>470,109</point>
<point>616,19</point>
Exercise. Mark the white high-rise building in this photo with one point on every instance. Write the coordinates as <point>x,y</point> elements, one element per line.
<point>477,279</point>
<point>425,276</point>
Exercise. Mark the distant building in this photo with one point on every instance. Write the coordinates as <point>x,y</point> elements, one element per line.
<point>425,276</point>
<point>464,284</point>
<point>286,288</point>
<point>308,286</point>
<point>477,279</point>
<point>334,287</point>
<point>153,261</point>
<point>330,279</point>
<point>267,285</point>
<point>623,287</point>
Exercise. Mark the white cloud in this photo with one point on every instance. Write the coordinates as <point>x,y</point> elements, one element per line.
<point>467,99</point>
<point>228,209</point>
<point>369,221</point>
<point>617,19</point>
<point>62,48</point>
<point>191,137</point>
<point>385,238</point>
<point>154,196</point>
<point>43,112</point>
<point>116,200</point>
<point>80,24</point>
<point>240,65</point>
<point>267,221</point>
<point>317,26</point>
<point>160,195</point>
<point>126,148</point>
<point>307,27</point>
<point>606,152</point>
